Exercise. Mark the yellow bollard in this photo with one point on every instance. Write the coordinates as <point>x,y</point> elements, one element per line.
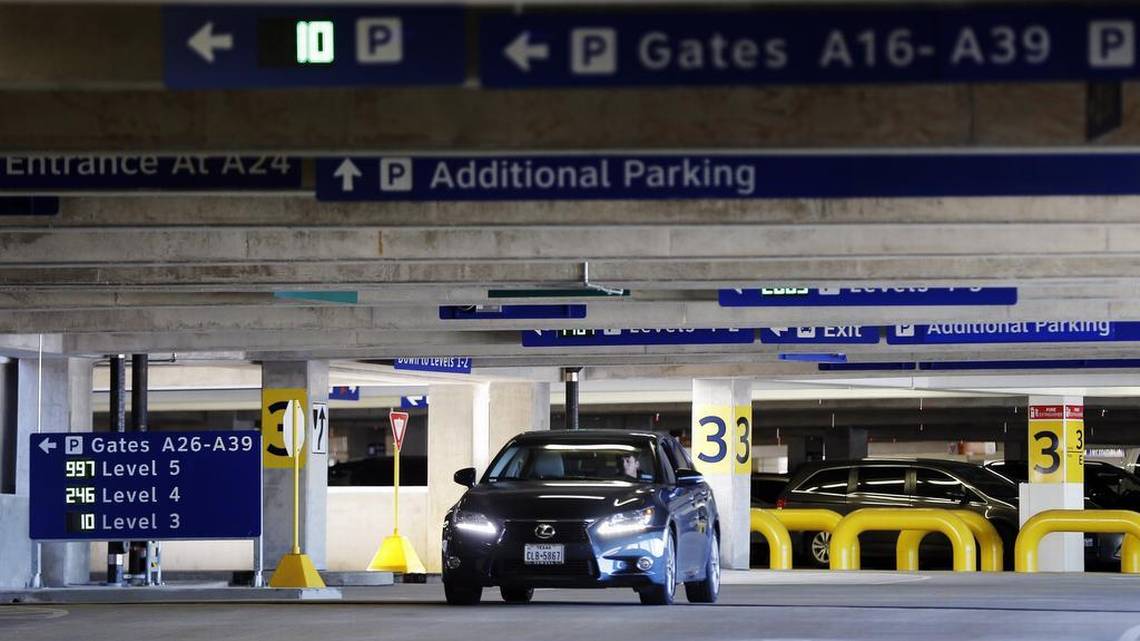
<point>807,520</point>
<point>844,554</point>
<point>779,543</point>
<point>989,543</point>
<point>1097,521</point>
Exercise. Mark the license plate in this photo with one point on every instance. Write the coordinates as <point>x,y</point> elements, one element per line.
<point>1088,541</point>
<point>544,554</point>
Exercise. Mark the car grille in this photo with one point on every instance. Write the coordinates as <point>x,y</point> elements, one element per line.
<point>564,532</point>
<point>514,567</point>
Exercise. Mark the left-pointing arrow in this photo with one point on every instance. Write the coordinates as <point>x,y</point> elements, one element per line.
<point>47,445</point>
<point>205,42</point>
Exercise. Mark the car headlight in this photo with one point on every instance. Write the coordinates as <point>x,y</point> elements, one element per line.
<point>626,522</point>
<point>474,522</point>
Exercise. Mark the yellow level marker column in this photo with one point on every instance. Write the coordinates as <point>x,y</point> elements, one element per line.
<point>396,553</point>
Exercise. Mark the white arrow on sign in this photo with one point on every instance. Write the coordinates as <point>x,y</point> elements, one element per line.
<point>205,42</point>
<point>348,173</point>
<point>778,331</point>
<point>47,445</point>
<point>521,51</point>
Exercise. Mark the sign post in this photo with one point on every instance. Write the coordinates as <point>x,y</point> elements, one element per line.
<point>396,553</point>
<point>296,569</point>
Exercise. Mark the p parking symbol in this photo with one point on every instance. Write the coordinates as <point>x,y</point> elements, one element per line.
<point>1112,44</point>
<point>593,51</point>
<point>73,445</point>
<point>379,41</point>
<point>395,174</point>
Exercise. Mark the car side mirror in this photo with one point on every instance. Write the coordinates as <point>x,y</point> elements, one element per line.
<point>689,477</point>
<point>465,477</point>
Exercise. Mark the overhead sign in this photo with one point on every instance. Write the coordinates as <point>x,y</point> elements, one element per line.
<point>1014,332</point>
<point>618,337</point>
<point>145,486</point>
<point>413,402</point>
<point>275,405</point>
<point>724,175</point>
<point>29,205</point>
<point>295,45</point>
<point>832,335</point>
<point>444,364</point>
<point>344,393</point>
<point>143,172</point>
<point>808,46</point>
<point>399,423</point>
<point>1072,363</point>
<point>320,423</point>
<point>865,296</point>
<point>488,312</point>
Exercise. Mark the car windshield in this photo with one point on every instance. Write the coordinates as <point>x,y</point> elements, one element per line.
<point>1102,478</point>
<point>574,462</point>
<point>988,481</point>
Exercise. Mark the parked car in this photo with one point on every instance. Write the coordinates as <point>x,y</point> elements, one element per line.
<point>844,486</point>
<point>584,509</point>
<point>1106,486</point>
<point>766,488</point>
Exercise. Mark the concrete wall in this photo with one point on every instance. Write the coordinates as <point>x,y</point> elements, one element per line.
<point>15,548</point>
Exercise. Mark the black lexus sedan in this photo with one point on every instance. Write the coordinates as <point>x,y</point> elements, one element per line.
<point>584,509</point>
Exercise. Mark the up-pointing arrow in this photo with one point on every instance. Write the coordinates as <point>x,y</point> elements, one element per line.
<point>205,42</point>
<point>47,445</point>
<point>521,51</point>
<point>348,173</point>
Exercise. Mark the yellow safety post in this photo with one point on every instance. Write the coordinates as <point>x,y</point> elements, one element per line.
<point>295,569</point>
<point>844,553</point>
<point>807,520</point>
<point>989,543</point>
<point>779,542</point>
<point>396,553</point>
<point>1097,521</point>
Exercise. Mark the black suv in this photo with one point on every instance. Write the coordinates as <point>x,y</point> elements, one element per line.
<point>845,486</point>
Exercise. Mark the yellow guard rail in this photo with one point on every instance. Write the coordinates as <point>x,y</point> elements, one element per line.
<point>1097,521</point>
<point>845,538</point>
<point>779,542</point>
<point>989,543</point>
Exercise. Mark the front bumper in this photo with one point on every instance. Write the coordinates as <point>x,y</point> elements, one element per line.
<point>590,561</point>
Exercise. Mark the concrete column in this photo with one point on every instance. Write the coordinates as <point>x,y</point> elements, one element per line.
<point>68,563</point>
<point>467,425</point>
<point>1056,475</point>
<point>845,443</point>
<point>277,500</point>
<point>803,449</point>
<point>722,452</point>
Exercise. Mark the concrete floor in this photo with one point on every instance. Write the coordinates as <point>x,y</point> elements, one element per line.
<point>756,605</point>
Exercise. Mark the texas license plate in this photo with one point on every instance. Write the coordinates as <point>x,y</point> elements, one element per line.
<point>544,554</point>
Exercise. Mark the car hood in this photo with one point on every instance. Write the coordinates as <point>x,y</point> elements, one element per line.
<point>543,500</point>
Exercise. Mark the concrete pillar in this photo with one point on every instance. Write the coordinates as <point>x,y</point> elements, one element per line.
<point>845,443</point>
<point>722,452</point>
<point>68,563</point>
<point>1056,475</point>
<point>467,425</point>
<point>803,449</point>
<point>277,499</point>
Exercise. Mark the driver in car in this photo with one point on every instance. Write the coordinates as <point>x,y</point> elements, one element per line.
<point>630,466</point>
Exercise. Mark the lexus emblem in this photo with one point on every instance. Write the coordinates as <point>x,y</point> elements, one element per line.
<point>544,531</point>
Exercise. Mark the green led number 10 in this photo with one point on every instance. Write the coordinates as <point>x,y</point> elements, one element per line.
<point>314,42</point>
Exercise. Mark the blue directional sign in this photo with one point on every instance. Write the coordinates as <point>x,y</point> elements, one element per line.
<point>145,485</point>
<point>724,175</point>
<point>413,402</point>
<point>344,393</point>
<point>295,45</point>
<point>866,296</point>
<point>1014,332</point>
<point>1074,363</point>
<point>505,312</point>
<point>618,337</point>
<point>445,364</point>
<point>144,172</point>
<point>834,335</point>
<point>809,46</point>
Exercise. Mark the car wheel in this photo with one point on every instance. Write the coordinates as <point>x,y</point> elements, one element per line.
<point>663,593</point>
<point>515,594</point>
<point>458,594</point>
<point>706,591</point>
<point>819,549</point>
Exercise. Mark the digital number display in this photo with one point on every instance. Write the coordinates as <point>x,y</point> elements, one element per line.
<point>575,333</point>
<point>80,495</point>
<point>80,521</point>
<point>295,42</point>
<point>784,291</point>
<point>79,469</point>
